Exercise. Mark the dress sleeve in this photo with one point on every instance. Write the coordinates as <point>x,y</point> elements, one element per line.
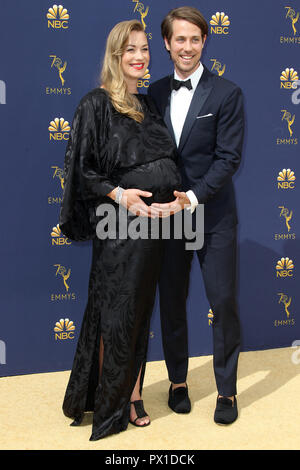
<point>86,182</point>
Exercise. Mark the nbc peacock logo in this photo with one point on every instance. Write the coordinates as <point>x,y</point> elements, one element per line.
<point>286,179</point>
<point>64,329</point>
<point>219,23</point>
<point>144,81</point>
<point>58,17</point>
<point>288,78</point>
<point>59,129</point>
<point>284,268</point>
<point>57,238</point>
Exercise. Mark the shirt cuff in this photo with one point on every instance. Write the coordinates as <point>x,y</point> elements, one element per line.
<point>193,200</point>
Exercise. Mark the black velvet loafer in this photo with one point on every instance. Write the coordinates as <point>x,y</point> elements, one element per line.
<point>179,400</point>
<point>226,412</point>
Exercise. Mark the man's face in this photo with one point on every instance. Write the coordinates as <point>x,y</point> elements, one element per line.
<point>185,47</point>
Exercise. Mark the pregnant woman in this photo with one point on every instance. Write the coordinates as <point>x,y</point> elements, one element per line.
<point>119,153</point>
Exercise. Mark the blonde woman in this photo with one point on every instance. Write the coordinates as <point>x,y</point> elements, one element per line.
<point>119,153</point>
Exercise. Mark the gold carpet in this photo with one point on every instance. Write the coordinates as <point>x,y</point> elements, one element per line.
<point>268,401</point>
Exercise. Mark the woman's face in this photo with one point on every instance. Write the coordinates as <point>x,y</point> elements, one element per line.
<point>135,59</point>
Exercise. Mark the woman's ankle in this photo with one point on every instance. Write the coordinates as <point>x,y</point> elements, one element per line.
<point>135,397</point>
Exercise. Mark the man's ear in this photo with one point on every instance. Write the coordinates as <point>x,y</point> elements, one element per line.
<point>167,44</point>
<point>204,39</point>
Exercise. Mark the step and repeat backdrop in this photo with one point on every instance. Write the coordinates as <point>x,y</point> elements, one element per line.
<point>51,56</point>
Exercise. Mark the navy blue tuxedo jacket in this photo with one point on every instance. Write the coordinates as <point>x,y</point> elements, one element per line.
<point>210,147</point>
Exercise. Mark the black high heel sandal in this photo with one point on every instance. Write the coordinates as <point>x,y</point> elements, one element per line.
<point>140,412</point>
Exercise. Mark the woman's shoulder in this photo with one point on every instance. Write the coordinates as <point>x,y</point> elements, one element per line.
<point>97,96</point>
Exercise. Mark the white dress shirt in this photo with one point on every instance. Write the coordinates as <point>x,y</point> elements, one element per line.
<point>179,106</point>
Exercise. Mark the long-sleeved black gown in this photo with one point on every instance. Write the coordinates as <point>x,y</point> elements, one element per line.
<point>108,149</point>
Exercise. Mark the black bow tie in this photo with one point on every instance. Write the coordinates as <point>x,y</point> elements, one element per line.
<point>176,84</point>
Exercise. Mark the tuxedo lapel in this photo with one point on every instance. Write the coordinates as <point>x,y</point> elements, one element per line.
<point>166,110</point>
<point>200,96</point>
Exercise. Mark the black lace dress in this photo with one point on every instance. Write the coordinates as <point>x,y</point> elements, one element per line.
<point>107,149</point>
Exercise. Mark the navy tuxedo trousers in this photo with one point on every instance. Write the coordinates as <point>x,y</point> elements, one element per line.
<point>217,260</point>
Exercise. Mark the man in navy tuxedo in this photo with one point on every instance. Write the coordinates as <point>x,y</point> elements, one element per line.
<point>204,114</point>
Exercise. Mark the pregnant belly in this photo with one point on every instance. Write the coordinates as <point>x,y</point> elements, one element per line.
<point>160,177</point>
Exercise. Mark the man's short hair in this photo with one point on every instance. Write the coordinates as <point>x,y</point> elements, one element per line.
<point>183,13</point>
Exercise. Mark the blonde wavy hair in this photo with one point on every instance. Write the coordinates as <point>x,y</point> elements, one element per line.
<point>112,76</point>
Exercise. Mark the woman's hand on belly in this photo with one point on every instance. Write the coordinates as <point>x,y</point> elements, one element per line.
<point>131,200</point>
<point>171,208</point>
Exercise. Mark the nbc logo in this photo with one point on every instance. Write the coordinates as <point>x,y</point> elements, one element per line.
<point>219,23</point>
<point>284,267</point>
<point>286,179</point>
<point>288,78</point>
<point>64,329</point>
<point>58,17</point>
<point>144,82</point>
<point>58,238</point>
<point>59,129</point>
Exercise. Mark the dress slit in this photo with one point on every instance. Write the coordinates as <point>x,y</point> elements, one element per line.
<point>94,375</point>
